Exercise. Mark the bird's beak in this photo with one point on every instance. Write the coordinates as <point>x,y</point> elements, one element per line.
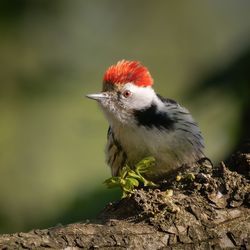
<point>98,97</point>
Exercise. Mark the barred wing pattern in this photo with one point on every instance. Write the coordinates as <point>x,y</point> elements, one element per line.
<point>116,156</point>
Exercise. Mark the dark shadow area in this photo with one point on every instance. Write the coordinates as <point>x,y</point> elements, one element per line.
<point>233,79</point>
<point>15,10</point>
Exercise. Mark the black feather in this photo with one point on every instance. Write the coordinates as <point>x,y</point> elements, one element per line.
<point>166,100</point>
<point>151,117</point>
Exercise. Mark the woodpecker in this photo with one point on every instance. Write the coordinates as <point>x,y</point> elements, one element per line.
<point>142,123</point>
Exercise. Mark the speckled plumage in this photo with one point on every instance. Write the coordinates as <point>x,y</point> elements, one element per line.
<point>142,123</point>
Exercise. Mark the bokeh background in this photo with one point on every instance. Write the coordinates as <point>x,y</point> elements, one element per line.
<point>52,53</point>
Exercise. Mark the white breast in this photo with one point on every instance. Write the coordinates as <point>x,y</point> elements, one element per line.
<point>171,149</point>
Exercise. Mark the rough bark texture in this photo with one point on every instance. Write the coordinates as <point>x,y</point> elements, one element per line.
<point>203,207</point>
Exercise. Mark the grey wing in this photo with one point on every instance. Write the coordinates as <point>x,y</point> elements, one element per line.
<point>115,155</point>
<point>186,124</point>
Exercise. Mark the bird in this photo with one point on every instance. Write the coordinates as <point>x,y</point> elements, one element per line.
<point>142,123</point>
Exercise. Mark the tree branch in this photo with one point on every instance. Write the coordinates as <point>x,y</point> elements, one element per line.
<point>194,208</point>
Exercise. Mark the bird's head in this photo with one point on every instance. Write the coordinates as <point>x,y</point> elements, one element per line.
<point>127,86</point>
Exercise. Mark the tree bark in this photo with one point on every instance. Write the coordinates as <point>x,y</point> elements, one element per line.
<point>202,207</point>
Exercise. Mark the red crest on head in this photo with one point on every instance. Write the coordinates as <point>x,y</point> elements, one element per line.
<point>128,71</point>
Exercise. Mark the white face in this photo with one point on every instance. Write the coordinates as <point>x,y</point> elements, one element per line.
<point>134,97</point>
<point>119,104</point>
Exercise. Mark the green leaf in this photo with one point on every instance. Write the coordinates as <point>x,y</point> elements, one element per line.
<point>128,186</point>
<point>150,184</point>
<point>134,175</point>
<point>112,182</point>
<point>133,182</point>
<point>129,178</point>
<point>125,194</point>
<point>144,165</point>
<point>123,172</point>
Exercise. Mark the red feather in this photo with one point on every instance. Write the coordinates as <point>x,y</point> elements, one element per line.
<point>128,71</point>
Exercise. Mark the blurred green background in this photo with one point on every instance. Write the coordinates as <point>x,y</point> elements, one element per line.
<point>52,53</point>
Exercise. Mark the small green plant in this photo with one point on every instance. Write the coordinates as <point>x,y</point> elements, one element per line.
<point>129,178</point>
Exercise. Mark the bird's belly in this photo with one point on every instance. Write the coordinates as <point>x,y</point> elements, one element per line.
<point>138,146</point>
<point>135,149</point>
<point>132,144</point>
<point>169,151</point>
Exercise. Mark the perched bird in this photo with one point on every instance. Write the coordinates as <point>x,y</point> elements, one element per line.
<point>143,123</point>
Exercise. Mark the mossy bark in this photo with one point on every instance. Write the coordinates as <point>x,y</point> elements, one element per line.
<point>197,207</point>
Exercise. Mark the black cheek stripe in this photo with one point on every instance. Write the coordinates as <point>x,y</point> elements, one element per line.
<point>151,117</point>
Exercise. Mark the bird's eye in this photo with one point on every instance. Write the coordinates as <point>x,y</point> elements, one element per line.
<point>126,93</point>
